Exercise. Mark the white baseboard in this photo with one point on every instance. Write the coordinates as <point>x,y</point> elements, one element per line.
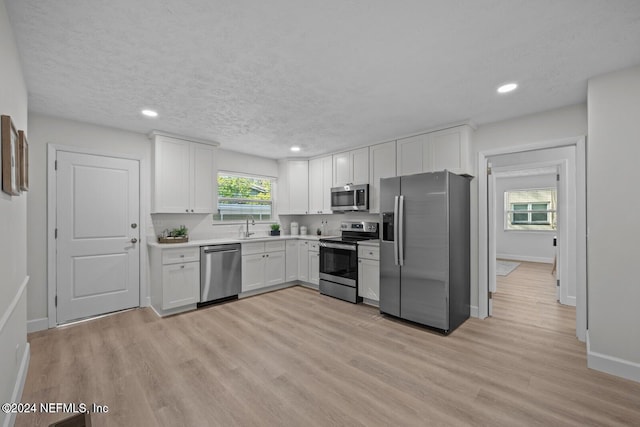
<point>146,302</point>
<point>612,365</point>
<point>16,396</point>
<point>526,258</point>
<point>474,311</point>
<point>571,301</point>
<point>36,325</point>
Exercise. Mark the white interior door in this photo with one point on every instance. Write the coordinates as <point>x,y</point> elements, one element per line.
<point>97,249</point>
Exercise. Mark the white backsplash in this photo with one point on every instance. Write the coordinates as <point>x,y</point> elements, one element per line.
<point>202,227</point>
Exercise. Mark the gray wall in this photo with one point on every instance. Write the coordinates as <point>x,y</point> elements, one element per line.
<point>13,229</point>
<point>614,150</point>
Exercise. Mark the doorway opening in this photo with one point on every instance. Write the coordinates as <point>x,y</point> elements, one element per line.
<point>566,160</point>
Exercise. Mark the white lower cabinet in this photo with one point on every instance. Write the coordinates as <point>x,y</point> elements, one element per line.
<point>180,284</point>
<point>369,273</point>
<point>303,260</point>
<point>263,264</point>
<point>314,263</point>
<point>175,279</point>
<point>291,261</point>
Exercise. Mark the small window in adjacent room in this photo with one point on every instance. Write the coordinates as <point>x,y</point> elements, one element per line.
<point>532,209</point>
<point>242,196</point>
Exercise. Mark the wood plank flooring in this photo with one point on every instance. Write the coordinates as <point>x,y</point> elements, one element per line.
<point>296,358</point>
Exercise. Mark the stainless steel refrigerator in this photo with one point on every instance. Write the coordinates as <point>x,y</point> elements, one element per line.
<point>425,249</point>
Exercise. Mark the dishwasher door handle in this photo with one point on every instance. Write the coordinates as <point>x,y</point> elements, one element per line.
<point>217,251</point>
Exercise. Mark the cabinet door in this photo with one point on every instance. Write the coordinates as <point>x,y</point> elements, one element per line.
<point>180,284</point>
<point>204,187</point>
<point>314,267</point>
<point>320,183</point>
<point>291,261</point>
<point>303,260</point>
<point>171,178</point>
<point>316,186</point>
<point>382,158</point>
<point>369,279</point>
<point>274,268</point>
<point>410,154</point>
<point>252,272</point>
<point>298,187</point>
<point>341,169</point>
<point>449,149</point>
<point>360,166</point>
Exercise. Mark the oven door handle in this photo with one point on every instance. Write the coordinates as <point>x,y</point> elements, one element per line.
<point>337,246</point>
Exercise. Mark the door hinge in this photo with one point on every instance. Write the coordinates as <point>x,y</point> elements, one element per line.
<point>558,283</point>
<point>55,234</point>
<point>558,177</point>
<point>488,170</point>
<point>490,295</point>
<point>55,164</point>
<point>56,300</point>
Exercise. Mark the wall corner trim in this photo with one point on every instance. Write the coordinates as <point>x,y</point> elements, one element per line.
<point>7,314</point>
<point>16,396</point>
<point>611,364</point>
<point>474,311</point>
<point>35,325</point>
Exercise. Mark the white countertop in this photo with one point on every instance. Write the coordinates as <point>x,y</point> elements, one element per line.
<point>222,241</point>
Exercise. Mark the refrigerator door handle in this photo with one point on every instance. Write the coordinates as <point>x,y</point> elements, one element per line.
<point>395,230</point>
<point>400,238</point>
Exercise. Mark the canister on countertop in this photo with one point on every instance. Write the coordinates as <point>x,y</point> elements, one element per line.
<point>294,228</point>
<point>303,230</point>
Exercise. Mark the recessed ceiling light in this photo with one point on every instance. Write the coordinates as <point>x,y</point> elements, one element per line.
<point>507,87</point>
<point>150,113</point>
<point>295,148</point>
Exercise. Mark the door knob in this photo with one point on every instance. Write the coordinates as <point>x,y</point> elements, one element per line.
<point>134,240</point>
<point>134,225</point>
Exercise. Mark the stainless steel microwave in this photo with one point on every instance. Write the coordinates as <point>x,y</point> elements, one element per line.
<point>350,198</point>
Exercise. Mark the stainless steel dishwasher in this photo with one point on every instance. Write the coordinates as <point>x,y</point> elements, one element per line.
<point>220,273</point>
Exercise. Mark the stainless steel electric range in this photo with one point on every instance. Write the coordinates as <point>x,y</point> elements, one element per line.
<point>339,260</point>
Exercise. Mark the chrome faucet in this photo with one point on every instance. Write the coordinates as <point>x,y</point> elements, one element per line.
<point>246,233</point>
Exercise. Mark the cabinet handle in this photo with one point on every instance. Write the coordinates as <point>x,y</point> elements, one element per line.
<point>360,261</point>
<point>191,210</point>
<point>182,266</point>
<point>267,255</point>
<point>370,253</point>
<point>182,256</point>
<point>186,210</point>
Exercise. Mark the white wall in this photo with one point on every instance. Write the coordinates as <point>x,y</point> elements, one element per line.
<point>45,130</point>
<point>13,229</point>
<point>546,126</point>
<point>536,246</point>
<point>614,235</point>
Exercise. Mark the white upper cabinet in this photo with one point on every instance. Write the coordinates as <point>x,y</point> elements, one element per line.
<point>184,176</point>
<point>320,183</point>
<point>351,167</point>
<point>293,187</point>
<point>448,149</point>
<point>382,159</point>
<point>410,155</point>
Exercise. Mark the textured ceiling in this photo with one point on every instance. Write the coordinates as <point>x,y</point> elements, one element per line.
<point>260,76</point>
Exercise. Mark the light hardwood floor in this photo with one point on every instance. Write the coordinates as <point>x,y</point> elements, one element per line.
<point>296,358</point>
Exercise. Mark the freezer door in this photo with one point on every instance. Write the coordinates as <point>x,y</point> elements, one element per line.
<point>424,227</point>
<point>389,266</point>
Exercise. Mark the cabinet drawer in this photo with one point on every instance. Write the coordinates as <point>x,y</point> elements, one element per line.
<point>252,248</point>
<point>368,252</point>
<point>180,255</point>
<point>274,246</point>
<point>314,246</point>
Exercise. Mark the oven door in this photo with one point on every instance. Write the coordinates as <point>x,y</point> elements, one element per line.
<point>339,263</point>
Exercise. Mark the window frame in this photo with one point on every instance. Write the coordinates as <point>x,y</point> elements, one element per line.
<point>510,211</point>
<point>217,218</point>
